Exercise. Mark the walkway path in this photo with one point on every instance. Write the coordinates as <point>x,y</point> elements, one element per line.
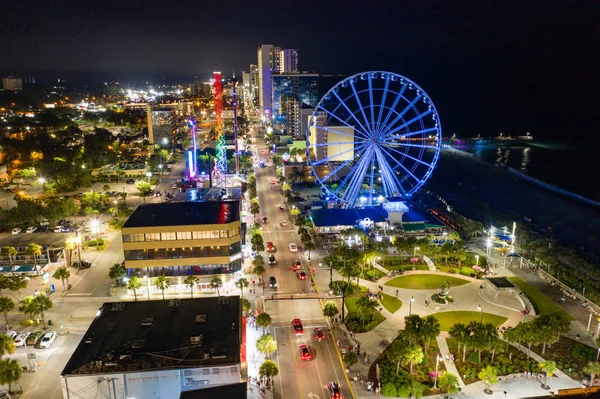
<point>430,264</point>
<point>443,346</point>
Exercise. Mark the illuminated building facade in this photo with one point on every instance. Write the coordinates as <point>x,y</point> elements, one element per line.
<point>12,83</point>
<point>183,238</point>
<point>291,92</point>
<point>161,125</point>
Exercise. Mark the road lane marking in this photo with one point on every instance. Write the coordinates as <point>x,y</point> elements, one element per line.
<point>278,364</point>
<point>294,354</point>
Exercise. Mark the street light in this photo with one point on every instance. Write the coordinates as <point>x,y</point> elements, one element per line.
<point>488,246</point>
<point>42,181</point>
<point>160,166</point>
<point>476,260</point>
<point>148,175</point>
<point>437,363</point>
<point>412,299</point>
<point>481,310</point>
<point>415,251</point>
<point>343,300</point>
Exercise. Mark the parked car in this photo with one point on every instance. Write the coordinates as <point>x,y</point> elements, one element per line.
<point>48,340</point>
<point>44,229</point>
<point>84,264</point>
<point>11,334</point>
<point>58,229</point>
<point>34,337</point>
<point>31,229</point>
<point>16,230</point>
<point>130,181</point>
<point>21,339</point>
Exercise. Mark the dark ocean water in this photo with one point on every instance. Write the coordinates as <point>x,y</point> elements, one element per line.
<point>573,167</point>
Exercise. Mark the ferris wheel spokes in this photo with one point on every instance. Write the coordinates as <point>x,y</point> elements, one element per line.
<point>409,156</point>
<point>366,131</point>
<point>365,135</point>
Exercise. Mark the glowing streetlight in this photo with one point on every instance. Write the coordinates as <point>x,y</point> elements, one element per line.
<point>437,363</point>
<point>481,310</point>
<point>476,260</point>
<point>412,299</point>
<point>415,251</point>
<point>148,175</point>
<point>147,285</point>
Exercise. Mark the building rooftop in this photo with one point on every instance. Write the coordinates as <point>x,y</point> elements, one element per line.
<point>346,217</point>
<point>165,334</point>
<point>184,214</point>
<point>230,391</point>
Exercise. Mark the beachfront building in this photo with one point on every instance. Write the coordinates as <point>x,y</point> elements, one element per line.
<point>159,349</point>
<point>183,238</point>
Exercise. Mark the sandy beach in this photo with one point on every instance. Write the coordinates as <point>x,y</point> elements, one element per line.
<point>475,188</point>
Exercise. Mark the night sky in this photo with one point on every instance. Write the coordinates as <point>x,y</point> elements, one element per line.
<point>489,66</point>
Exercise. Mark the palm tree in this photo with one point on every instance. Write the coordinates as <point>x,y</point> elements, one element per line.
<point>27,306</point>
<point>162,283</point>
<point>593,369</point>
<point>4,283</point>
<point>18,283</point>
<point>430,329</point>
<point>489,376</point>
<point>448,382</point>
<point>548,367</point>
<point>34,250</point>
<point>459,332</point>
<point>7,345</point>
<point>330,309</point>
<point>70,245</point>
<point>191,281</point>
<point>6,305</point>
<point>9,252</point>
<point>134,284</point>
<point>413,354</point>
<point>266,344</point>
<point>268,370</point>
<point>62,274</point>
<point>263,320</point>
<point>10,371</point>
<point>241,284</point>
<point>216,283</point>
<point>41,304</point>
<point>117,272</point>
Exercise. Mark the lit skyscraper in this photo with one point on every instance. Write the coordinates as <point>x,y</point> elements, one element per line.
<point>291,93</point>
<point>272,60</point>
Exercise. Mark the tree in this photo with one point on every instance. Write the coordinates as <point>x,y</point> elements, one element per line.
<point>246,306</point>
<point>144,188</point>
<point>191,281</point>
<point>395,352</point>
<point>417,389</point>
<point>430,329</point>
<point>448,382</point>
<point>479,336</point>
<point>10,371</point>
<point>134,284</point>
<point>548,367</point>
<point>4,283</point>
<point>294,212</point>
<point>266,344</point>
<point>62,274</point>
<point>330,309</point>
<point>18,283</point>
<point>263,320</point>
<point>117,272</point>
<point>241,284</point>
<point>34,250</point>
<point>216,283</point>
<point>510,335</point>
<point>350,358</point>
<point>459,332</point>
<point>254,207</point>
<point>365,308</point>
<point>27,306</point>
<point>9,252</point>
<point>489,376</point>
<point>41,304</point>
<point>413,354</point>
<point>309,245</point>
<point>162,283</point>
<point>593,369</point>
<point>259,264</point>
<point>7,345</point>
<point>106,188</point>
<point>257,242</point>
<point>6,305</point>
<point>413,325</point>
<point>268,370</point>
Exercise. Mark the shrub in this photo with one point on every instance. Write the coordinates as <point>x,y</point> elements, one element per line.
<point>389,390</point>
<point>350,358</point>
<point>403,391</point>
<point>473,357</point>
<point>583,352</point>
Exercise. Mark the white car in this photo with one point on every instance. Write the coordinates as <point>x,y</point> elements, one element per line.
<point>31,229</point>
<point>57,229</point>
<point>11,334</point>
<point>293,247</point>
<point>21,338</point>
<point>87,228</point>
<point>16,230</point>
<point>48,339</point>
<point>284,223</point>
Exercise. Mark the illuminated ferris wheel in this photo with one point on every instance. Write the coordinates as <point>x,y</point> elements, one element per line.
<point>374,135</point>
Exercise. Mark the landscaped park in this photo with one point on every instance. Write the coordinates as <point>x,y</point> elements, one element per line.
<point>449,325</point>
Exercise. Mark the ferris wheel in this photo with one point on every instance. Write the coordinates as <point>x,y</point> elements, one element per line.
<point>373,136</point>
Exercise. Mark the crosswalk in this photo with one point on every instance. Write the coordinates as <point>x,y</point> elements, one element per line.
<point>278,231</point>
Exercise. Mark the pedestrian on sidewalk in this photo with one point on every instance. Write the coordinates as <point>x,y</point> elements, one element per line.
<point>338,342</point>
<point>396,293</point>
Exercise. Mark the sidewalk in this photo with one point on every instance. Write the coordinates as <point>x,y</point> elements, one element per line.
<point>443,346</point>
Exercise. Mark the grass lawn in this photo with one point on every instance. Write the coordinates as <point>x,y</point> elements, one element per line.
<point>391,303</point>
<point>406,267</point>
<point>448,319</point>
<point>542,304</point>
<point>351,304</point>
<point>425,281</point>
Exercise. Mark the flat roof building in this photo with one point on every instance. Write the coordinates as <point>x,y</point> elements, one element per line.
<point>183,238</point>
<point>157,349</point>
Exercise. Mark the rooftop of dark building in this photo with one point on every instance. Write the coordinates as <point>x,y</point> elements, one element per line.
<point>164,334</point>
<point>231,391</point>
<point>184,214</point>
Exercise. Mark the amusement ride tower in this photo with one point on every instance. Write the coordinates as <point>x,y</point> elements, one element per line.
<point>221,161</point>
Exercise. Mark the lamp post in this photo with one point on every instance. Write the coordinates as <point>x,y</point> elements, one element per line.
<point>412,299</point>
<point>481,310</point>
<point>147,285</point>
<point>148,175</point>
<point>488,246</point>
<point>343,300</point>
<point>415,251</point>
<point>43,183</point>
<point>160,167</point>
<point>437,363</point>
<point>476,260</point>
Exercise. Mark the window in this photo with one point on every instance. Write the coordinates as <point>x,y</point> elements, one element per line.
<point>184,235</point>
<point>224,234</point>
<point>214,234</point>
<point>137,238</point>
<point>233,370</point>
<point>126,237</point>
<point>152,236</point>
<point>205,371</point>
<point>215,371</point>
<point>200,235</point>
<point>167,236</point>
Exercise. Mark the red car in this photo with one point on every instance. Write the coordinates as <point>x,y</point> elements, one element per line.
<point>302,276</point>
<point>273,181</point>
<point>270,247</point>
<point>297,326</point>
<point>319,336</point>
<point>297,265</point>
<point>305,353</point>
